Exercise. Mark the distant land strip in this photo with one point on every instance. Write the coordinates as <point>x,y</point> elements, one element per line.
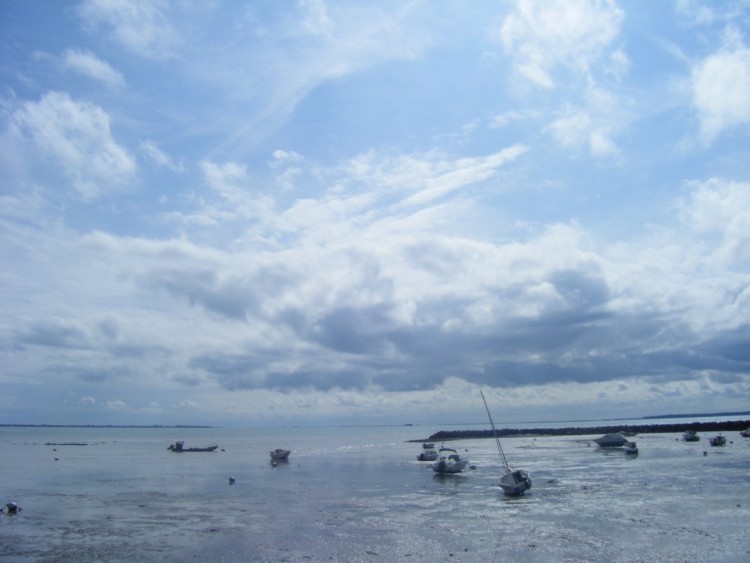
<point>99,426</point>
<point>727,426</point>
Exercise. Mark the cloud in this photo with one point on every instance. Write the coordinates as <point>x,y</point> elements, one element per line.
<point>449,177</point>
<point>573,34</point>
<point>720,206</point>
<point>140,25</point>
<point>86,63</point>
<point>160,158</point>
<point>576,128</point>
<point>721,90</point>
<point>56,333</point>
<point>116,405</point>
<point>78,138</point>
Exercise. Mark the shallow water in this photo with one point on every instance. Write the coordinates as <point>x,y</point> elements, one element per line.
<point>358,494</point>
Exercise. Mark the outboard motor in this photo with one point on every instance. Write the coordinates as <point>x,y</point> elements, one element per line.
<point>12,508</point>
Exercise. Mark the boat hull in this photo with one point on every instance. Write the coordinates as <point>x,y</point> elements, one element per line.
<point>613,440</point>
<point>443,467</point>
<point>280,455</point>
<point>515,483</point>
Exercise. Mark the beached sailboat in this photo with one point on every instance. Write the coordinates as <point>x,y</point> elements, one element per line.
<point>514,481</point>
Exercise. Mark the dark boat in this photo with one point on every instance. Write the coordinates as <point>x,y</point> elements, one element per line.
<point>718,440</point>
<point>178,447</point>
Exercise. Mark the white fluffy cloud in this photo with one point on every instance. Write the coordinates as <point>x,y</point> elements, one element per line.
<point>721,207</point>
<point>571,33</point>
<point>721,91</point>
<point>77,136</point>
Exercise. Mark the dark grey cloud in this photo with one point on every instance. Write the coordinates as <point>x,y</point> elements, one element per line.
<point>56,334</point>
<point>229,298</point>
<point>579,341</point>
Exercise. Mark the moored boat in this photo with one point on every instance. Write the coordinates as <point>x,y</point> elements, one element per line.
<point>611,440</point>
<point>690,436</point>
<point>631,448</point>
<point>449,462</point>
<point>745,433</point>
<point>280,455</point>
<point>179,447</point>
<point>514,481</point>
<point>428,454</point>
<point>718,440</point>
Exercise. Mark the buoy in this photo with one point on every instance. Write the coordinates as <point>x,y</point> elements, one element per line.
<point>231,480</point>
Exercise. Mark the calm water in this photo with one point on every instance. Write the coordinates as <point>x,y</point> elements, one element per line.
<point>358,494</point>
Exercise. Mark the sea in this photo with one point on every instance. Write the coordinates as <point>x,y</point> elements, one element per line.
<point>359,494</point>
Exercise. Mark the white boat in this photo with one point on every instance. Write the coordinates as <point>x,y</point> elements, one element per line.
<point>611,440</point>
<point>631,448</point>
<point>718,440</point>
<point>745,433</point>
<point>514,481</point>
<point>449,462</point>
<point>280,455</point>
<point>428,452</point>
<point>690,436</point>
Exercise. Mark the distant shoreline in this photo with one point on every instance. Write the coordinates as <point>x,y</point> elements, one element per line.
<point>726,426</point>
<point>100,426</point>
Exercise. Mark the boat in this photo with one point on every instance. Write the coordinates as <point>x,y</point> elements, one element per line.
<point>179,447</point>
<point>690,436</point>
<point>718,440</point>
<point>514,482</point>
<point>631,448</point>
<point>428,445</point>
<point>449,462</point>
<point>611,440</point>
<point>745,433</point>
<point>429,454</point>
<point>280,455</point>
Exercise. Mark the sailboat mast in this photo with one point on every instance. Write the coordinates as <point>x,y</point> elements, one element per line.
<point>494,432</point>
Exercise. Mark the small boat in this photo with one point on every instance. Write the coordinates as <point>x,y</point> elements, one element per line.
<point>179,447</point>
<point>718,440</point>
<point>450,462</point>
<point>631,448</point>
<point>428,445</point>
<point>280,455</point>
<point>514,481</point>
<point>690,436</point>
<point>429,454</point>
<point>745,433</point>
<point>611,440</point>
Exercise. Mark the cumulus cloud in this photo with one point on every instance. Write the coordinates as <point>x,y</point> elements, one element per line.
<point>721,206</point>
<point>721,90</point>
<point>77,136</point>
<point>573,34</point>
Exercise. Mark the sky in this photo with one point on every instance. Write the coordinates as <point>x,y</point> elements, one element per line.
<point>340,212</point>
